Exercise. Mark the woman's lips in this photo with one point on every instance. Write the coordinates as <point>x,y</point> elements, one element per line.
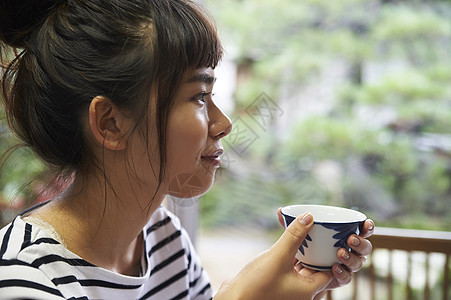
<point>213,158</point>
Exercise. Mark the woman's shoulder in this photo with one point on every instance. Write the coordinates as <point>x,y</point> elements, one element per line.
<point>26,241</point>
<point>19,274</point>
<point>13,238</point>
<point>20,280</point>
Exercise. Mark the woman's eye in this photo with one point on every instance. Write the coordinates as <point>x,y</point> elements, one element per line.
<point>201,97</point>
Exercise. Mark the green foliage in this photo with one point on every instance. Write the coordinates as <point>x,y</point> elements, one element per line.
<point>405,22</point>
<point>19,168</point>
<point>408,85</point>
<point>387,133</point>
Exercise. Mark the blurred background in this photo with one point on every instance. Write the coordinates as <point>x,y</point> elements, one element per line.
<point>343,103</point>
<point>335,102</point>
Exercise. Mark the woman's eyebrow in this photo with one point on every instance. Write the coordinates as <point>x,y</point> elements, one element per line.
<point>202,77</point>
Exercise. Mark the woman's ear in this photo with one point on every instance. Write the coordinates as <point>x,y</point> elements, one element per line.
<point>108,124</point>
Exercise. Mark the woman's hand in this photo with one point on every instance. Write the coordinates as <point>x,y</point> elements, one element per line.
<point>272,275</point>
<point>352,261</point>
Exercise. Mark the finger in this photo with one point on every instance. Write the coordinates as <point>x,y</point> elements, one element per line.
<point>306,272</point>
<point>360,245</point>
<point>280,217</point>
<point>288,244</point>
<point>298,266</point>
<point>295,262</point>
<point>351,262</point>
<point>367,228</point>
<point>342,275</point>
<point>321,280</point>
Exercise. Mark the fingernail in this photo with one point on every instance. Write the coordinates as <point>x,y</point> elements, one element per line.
<point>306,219</point>
<point>355,241</point>
<point>371,226</point>
<point>338,270</point>
<point>345,255</point>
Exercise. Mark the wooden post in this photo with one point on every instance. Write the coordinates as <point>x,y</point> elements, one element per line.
<point>427,295</point>
<point>372,279</point>
<point>409,273</point>
<point>390,276</point>
<point>329,295</point>
<point>355,287</point>
<point>446,278</point>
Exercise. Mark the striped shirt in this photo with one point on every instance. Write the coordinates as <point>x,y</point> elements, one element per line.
<point>33,265</point>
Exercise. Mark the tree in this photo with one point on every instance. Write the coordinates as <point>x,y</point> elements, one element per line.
<point>362,84</point>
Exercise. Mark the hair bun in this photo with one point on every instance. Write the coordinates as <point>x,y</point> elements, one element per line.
<point>19,18</point>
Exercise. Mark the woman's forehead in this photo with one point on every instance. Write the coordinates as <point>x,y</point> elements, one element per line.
<point>196,75</point>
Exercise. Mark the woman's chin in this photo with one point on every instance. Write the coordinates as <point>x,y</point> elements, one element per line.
<point>189,185</point>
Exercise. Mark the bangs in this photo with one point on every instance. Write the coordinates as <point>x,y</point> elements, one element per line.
<point>188,37</point>
<point>201,42</point>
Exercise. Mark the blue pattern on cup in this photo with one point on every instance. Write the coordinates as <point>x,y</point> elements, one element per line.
<point>344,231</point>
<point>304,244</point>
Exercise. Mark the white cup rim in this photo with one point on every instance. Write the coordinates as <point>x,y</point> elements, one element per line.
<point>325,214</point>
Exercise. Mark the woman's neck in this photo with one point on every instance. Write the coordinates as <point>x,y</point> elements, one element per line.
<point>101,224</point>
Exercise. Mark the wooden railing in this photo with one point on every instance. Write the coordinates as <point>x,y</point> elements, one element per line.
<point>409,241</point>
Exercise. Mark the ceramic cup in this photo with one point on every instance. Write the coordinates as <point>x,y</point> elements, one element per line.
<point>331,229</point>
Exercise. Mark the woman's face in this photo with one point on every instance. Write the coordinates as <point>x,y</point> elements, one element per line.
<point>193,141</point>
<point>195,128</point>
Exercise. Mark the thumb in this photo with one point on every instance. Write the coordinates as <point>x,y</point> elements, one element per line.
<point>293,236</point>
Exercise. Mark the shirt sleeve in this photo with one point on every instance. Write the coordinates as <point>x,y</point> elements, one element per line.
<point>19,280</point>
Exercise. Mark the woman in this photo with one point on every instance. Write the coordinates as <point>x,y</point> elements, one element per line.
<point>115,96</point>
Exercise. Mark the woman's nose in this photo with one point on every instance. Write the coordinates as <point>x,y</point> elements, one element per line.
<point>220,123</point>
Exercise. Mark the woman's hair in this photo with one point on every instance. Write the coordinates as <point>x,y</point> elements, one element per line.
<point>66,52</point>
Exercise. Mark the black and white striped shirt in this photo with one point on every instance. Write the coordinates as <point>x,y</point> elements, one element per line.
<point>33,265</point>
